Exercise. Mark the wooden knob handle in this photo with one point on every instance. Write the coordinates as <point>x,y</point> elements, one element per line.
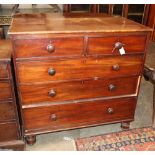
<point>52,93</point>
<point>51,71</point>
<point>112,87</point>
<point>110,110</point>
<point>118,45</point>
<point>53,117</point>
<point>115,67</point>
<point>50,48</point>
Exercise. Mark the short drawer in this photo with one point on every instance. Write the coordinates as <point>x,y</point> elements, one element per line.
<point>79,114</point>
<point>78,90</point>
<point>5,90</point>
<point>8,131</point>
<point>49,47</point>
<point>4,71</point>
<point>105,45</point>
<point>42,71</point>
<point>7,111</point>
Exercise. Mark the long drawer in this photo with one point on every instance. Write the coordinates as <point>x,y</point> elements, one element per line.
<point>5,90</point>
<point>78,90</point>
<point>8,131</point>
<point>4,71</point>
<point>106,45</point>
<point>42,71</point>
<point>57,117</point>
<point>49,47</point>
<point>7,111</point>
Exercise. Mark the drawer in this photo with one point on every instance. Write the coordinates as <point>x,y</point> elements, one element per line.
<point>4,71</point>
<point>78,114</point>
<point>105,45</point>
<point>49,47</point>
<point>5,90</point>
<point>7,111</point>
<point>78,90</point>
<point>42,71</point>
<point>8,131</point>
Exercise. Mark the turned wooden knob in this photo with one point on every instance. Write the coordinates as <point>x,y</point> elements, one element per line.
<point>53,117</point>
<point>50,48</point>
<point>115,67</point>
<point>112,87</point>
<point>110,110</point>
<point>118,45</point>
<point>51,71</point>
<point>52,93</point>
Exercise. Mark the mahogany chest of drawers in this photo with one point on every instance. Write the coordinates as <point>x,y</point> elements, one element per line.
<point>10,132</point>
<point>75,72</point>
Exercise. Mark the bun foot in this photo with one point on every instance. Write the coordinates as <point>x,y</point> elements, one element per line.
<point>125,125</point>
<point>31,140</point>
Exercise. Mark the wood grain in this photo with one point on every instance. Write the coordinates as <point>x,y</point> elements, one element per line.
<point>105,45</point>
<point>64,23</point>
<point>7,111</point>
<point>83,89</point>
<point>38,47</point>
<point>79,73</point>
<point>79,114</point>
<point>37,71</point>
<point>5,50</point>
<point>16,145</point>
<point>5,91</point>
<point>9,131</point>
<point>4,74</point>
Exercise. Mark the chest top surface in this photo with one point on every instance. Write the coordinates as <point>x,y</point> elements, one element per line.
<point>66,23</point>
<point>5,50</point>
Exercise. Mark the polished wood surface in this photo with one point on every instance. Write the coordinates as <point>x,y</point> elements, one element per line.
<point>5,50</point>
<point>10,132</point>
<point>78,90</point>
<point>105,45</point>
<point>151,17</point>
<point>38,71</point>
<point>75,46</point>
<point>5,90</point>
<point>151,20</point>
<point>65,23</point>
<point>39,47</point>
<point>80,114</point>
<point>70,71</point>
<point>9,114</point>
<point>16,145</point>
<point>4,74</point>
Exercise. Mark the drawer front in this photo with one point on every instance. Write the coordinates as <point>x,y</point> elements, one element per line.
<point>49,47</point>
<point>42,71</point>
<point>5,90</point>
<point>78,90</point>
<point>3,71</point>
<point>8,131</point>
<point>105,45</point>
<point>7,111</point>
<point>79,114</point>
